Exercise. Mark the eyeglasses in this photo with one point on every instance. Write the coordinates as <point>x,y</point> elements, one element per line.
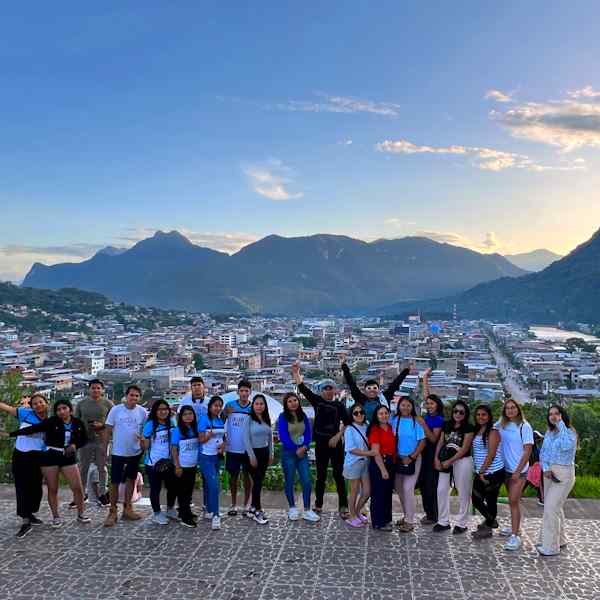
<point>458,411</point>
<point>356,413</point>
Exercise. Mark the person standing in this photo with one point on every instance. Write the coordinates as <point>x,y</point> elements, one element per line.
<point>372,396</point>
<point>293,427</point>
<point>237,413</point>
<point>454,461</point>
<point>64,434</point>
<point>125,424</point>
<point>92,411</point>
<point>489,471</point>
<point>410,441</point>
<point>160,470</point>
<point>258,439</point>
<point>381,468</point>
<point>356,465</point>
<point>26,461</point>
<point>184,450</point>
<point>432,424</point>
<point>516,443</point>
<point>558,464</point>
<point>211,430</point>
<point>328,428</point>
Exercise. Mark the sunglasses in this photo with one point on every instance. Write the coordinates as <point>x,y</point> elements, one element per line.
<point>458,412</point>
<point>356,413</point>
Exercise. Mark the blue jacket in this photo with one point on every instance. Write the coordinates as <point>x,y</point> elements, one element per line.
<point>284,434</point>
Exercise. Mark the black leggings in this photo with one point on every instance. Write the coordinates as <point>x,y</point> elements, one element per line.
<point>184,487</point>
<point>485,496</point>
<point>156,481</point>
<point>258,474</point>
<point>324,454</point>
<point>28,482</point>
<point>428,481</point>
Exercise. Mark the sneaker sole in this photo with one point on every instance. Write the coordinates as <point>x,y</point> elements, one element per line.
<point>22,535</point>
<point>190,526</point>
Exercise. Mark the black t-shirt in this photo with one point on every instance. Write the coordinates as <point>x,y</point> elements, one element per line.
<point>454,438</point>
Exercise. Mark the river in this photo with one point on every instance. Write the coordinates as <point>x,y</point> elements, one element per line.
<point>560,335</point>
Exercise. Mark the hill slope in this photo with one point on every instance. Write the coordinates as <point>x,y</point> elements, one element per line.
<point>302,275</point>
<point>533,261</point>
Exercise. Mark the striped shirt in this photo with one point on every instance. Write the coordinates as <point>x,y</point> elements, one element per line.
<point>480,452</point>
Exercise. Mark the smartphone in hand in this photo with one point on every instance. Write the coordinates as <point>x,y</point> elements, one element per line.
<point>554,478</point>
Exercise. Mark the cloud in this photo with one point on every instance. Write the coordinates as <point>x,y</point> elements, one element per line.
<point>498,96</point>
<point>489,244</point>
<point>73,250</point>
<point>397,222</point>
<point>486,159</point>
<point>326,103</point>
<point>271,180</point>
<point>566,124</point>
<point>345,143</point>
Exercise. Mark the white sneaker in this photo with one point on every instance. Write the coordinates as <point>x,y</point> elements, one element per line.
<point>57,522</point>
<point>216,523</point>
<point>293,514</point>
<point>505,531</point>
<point>311,515</point>
<point>208,516</point>
<point>248,512</point>
<point>260,517</point>
<point>513,543</point>
<point>160,519</point>
<point>172,514</point>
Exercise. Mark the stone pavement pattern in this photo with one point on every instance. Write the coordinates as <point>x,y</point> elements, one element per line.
<point>283,560</point>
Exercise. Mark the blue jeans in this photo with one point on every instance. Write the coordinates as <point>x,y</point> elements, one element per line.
<point>291,463</point>
<point>210,465</point>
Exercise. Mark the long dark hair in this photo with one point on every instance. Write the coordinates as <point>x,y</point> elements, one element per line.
<point>563,414</point>
<point>210,403</point>
<point>265,416</point>
<point>375,419</point>
<point>290,416</point>
<point>154,415</point>
<point>183,428</point>
<point>352,408</point>
<point>489,425</point>
<point>65,402</point>
<point>413,411</point>
<point>465,422</point>
<point>438,402</point>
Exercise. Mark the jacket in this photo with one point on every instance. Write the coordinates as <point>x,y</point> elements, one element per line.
<point>54,430</point>
<point>328,414</point>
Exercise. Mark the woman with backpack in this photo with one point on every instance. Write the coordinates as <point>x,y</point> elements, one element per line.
<point>489,471</point>
<point>432,424</point>
<point>558,463</point>
<point>410,441</point>
<point>381,468</point>
<point>156,444</point>
<point>454,462</point>
<point>356,465</point>
<point>516,444</point>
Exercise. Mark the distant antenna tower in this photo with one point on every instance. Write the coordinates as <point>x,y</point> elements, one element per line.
<point>454,316</point>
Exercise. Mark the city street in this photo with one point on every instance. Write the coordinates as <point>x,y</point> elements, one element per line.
<point>513,386</point>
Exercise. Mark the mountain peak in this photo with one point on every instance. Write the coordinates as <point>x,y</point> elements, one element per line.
<point>171,236</point>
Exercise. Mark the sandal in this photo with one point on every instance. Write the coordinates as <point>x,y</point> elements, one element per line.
<point>354,522</point>
<point>345,514</point>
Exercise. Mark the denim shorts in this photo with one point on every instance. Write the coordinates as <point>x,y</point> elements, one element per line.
<point>357,470</point>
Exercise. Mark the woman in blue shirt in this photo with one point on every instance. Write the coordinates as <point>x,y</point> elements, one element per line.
<point>294,431</point>
<point>184,451</point>
<point>432,424</point>
<point>26,461</point>
<point>157,458</point>
<point>410,441</point>
<point>558,463</point>
<point>211,430</point>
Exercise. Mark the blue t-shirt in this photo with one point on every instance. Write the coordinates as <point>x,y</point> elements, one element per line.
<point>410,433</point>
<point>33,442</point>
<point>187,446</point>
<point>355,438</point>
<point>159,443</point>
<point>235,426</point>
<point>434,421</point>
<point>217,426</point>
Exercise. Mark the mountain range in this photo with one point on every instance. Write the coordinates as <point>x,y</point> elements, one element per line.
<point>301,275</point>
<point>533,261</point>
<point>567,290</point>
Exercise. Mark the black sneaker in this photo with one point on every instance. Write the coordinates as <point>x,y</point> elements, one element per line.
<point>25,529</point>
<point>458,530</point>
<point>437,528</point>
<point>188,522</point>
<point>35,521</point>
<point>104,499</point>
<point>73,504</point>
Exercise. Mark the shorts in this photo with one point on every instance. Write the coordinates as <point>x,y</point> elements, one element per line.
<point>357,470</point>
<point>54,458</point>
<point>236,462</point>
<point>123,468</point>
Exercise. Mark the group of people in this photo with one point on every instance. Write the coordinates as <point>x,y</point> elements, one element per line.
<point>372,451</point>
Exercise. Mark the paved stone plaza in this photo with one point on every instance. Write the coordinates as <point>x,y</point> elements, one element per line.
<point>283,560</point>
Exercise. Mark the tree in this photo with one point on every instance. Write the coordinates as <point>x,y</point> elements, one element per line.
<point>199,362</point>
<point>118,392</point>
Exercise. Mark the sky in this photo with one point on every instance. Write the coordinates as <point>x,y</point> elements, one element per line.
<point>472,123</point>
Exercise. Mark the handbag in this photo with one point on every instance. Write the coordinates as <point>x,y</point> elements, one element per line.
<point>401,468</point>
<point>164,466</point>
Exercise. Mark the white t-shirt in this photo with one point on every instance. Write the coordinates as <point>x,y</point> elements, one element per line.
<point>512,439</point>
<point>200,406</point>
<point>127,424</point>
<point>235,425</point>
<point>217,427</point>
<point>33,442</point>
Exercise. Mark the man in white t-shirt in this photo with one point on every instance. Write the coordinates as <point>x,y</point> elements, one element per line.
<point>125,423</point>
